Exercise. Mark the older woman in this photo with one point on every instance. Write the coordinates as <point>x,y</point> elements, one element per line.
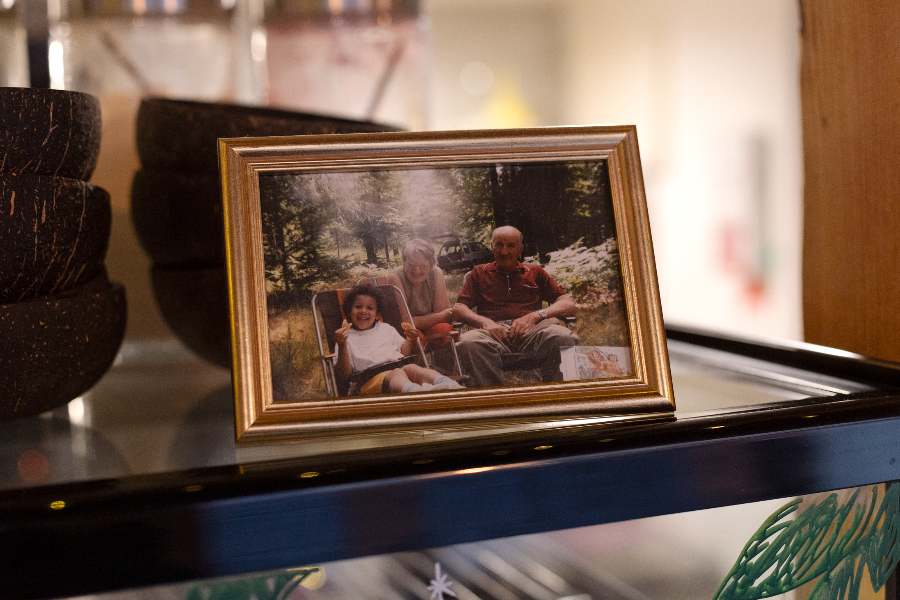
<point>423,284</point>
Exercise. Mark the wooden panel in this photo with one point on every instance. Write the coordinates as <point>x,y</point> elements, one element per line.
<point>850,90</point>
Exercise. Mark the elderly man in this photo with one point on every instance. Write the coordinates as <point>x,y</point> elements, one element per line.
<point>508,297</point>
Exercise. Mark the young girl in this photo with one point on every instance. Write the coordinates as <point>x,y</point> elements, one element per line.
<point>365,342</point>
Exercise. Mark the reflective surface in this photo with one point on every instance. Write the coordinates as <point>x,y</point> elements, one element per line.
<point>663,558</point>
<point>162,409</point>
<point>158,409</point>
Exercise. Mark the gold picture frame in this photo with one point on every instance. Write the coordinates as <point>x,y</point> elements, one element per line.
<point>322,172</point>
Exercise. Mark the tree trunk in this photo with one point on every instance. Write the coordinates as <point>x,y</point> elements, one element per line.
<point>282,251</point>
<point>369,243</point>
<point>497,203</point>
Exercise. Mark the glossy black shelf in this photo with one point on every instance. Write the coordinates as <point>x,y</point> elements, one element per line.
<point>172,526</point>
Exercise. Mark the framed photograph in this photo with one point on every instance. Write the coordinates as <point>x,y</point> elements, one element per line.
<point>408,286</point>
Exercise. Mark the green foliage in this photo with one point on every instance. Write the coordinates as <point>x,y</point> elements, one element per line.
<point>590,275</point>
<point>274,587</point>
<point>553,204</point>
<point>820,543</point>
<point>309,220</point>
<point>312,223</point>
<point>374,214</point>
<point>294,212</point>
<point>470,198</point>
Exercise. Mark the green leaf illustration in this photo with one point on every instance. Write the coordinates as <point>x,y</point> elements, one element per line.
<point>828,541</point>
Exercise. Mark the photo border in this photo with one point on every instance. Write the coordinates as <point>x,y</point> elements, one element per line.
<point>259,420</point>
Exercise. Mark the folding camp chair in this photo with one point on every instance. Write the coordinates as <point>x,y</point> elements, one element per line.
<point>327,308</point>
<point>452,336</point>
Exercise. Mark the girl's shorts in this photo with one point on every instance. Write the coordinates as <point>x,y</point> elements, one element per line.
<point>375,385</point>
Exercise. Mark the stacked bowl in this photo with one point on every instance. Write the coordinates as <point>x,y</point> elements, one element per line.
<point>61,320</point>
<point>176,205</point>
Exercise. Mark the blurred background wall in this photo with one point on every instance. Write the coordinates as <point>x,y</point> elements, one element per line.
<point>712,86</point>
<point>714,91</point>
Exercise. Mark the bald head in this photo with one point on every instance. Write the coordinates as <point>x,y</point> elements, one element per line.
<point>506,230</point>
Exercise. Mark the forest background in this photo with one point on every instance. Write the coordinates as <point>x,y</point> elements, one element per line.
<point>324,231</point>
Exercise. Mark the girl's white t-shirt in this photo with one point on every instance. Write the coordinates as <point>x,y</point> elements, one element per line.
<point>374,346</point>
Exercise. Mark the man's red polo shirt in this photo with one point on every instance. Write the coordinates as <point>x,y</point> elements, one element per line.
<point>500,295</point>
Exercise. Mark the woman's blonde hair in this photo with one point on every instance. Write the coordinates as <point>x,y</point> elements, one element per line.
<point>421,246</point>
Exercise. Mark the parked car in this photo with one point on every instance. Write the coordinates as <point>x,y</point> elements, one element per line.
<point>456,254</point>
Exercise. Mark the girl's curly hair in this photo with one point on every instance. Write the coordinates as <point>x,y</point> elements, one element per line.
<point>363,289</point>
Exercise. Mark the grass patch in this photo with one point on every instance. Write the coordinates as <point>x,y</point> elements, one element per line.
<point>293,355</point>
<point>454,284</point>
<point>603,325</point>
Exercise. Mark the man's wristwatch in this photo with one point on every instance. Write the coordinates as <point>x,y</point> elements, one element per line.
<point>543,314</point>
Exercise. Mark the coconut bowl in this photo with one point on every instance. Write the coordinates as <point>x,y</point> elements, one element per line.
<point>49,132</point>
<point>54,233</point>
<point>182,135</point>
<point>55,348</point>
<point>178,217</point>
<point>193,302</point>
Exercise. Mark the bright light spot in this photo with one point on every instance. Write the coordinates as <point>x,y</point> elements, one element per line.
<point>475,470</point>
<point>507,108</point>
<point>309,474</point>
<point>7,4</point>
<point>55,63</point>
<point>476,78</point>
<point>76,411</point>
<point>57,505</point>
<point>228,4</point>
<point>258,45</point>
<point>542,447</point>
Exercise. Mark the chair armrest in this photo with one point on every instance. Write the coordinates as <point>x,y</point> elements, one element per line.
<point>442,335</point>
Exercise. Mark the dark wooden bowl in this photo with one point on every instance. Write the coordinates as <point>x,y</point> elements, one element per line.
<point>54,233</point>
<point>181,135</point>
<point>178,217</point>
<point>55,348</point>
<point>49,132</point>
<point>193,302</point>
